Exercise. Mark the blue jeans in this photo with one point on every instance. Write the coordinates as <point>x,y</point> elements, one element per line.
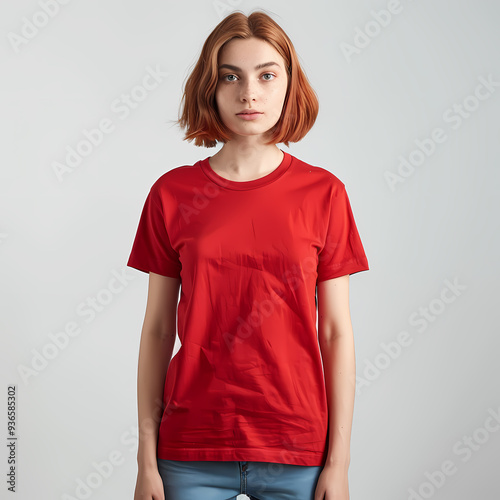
<point>231,480</point>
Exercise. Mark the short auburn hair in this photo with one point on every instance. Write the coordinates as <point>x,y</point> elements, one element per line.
<point>200,116</point>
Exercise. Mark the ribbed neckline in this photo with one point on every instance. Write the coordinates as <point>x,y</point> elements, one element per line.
<point>244,185</point>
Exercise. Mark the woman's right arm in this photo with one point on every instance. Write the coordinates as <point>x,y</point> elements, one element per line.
<point>155,351</point>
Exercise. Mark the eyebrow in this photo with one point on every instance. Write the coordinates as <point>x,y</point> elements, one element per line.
<point>259,66</point>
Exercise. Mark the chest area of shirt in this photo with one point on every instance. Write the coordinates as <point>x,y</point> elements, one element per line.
<point>253,229</point>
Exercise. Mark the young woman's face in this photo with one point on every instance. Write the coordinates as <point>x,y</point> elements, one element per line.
<point>245,86</point>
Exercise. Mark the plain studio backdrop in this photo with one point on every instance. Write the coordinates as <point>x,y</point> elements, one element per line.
<point>409,96</point>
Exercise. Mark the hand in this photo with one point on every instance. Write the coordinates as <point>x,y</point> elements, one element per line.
<point>149,485</point>
<point>332,483</point>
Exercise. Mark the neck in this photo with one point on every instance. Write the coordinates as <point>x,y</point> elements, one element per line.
<point>246,161</point>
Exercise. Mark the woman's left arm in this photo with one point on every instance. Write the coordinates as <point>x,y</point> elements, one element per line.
<point>336,340</point>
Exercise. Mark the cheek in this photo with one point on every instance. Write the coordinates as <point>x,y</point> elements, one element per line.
<point>279,92</point>
<point>219,93</point>
<point>222,98</point>
<point>218,99</point>
<point>278,96</point>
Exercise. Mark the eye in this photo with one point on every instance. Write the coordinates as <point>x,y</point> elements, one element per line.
<point>225,77</point>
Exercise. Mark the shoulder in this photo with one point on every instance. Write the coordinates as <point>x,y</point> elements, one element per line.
<point>319,175</point>
<point>176,174</point>
<point>174,179</point>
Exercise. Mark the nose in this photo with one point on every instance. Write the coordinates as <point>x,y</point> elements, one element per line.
<point>248,90</point>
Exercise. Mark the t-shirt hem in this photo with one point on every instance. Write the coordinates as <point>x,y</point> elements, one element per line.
<point>168,272</point>
<point>349,268</point>
<point>307,458</point>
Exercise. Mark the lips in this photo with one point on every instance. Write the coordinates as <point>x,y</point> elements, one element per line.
<point>249,112</point>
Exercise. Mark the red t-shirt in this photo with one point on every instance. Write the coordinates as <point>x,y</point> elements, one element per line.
<point>247,382</point>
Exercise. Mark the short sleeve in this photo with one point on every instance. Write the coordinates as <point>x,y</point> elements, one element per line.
<point>152,250</point>
<point>343,252</point>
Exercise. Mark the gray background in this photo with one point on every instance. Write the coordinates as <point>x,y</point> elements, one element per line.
<point>432,241</point>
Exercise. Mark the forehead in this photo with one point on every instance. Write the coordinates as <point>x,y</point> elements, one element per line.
<point>248,53</point>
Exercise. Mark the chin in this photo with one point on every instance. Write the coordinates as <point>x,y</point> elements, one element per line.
<point>248,128</point>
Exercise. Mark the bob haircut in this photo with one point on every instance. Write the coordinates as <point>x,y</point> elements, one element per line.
<point>200,116</point>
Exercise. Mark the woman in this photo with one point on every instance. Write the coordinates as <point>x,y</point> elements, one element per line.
<point>244,409</point>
